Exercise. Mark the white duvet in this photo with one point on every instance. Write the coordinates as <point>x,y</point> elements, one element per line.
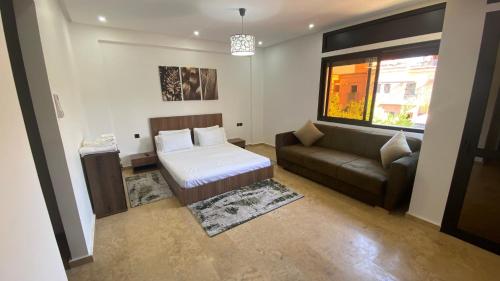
<point>202,165</point>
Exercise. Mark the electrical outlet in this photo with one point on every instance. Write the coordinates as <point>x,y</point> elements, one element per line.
<point>137,136</point>
<point>239,124</point>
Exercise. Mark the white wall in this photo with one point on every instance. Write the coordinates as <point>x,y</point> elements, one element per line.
<point>47,53</point>
<point>458,55</point>
<point>120,84</point>
<point>28,246</point>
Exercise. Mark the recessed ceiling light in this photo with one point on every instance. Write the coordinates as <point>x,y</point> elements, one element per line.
<point>311,25</point>
<point>260,43</point>
<point>102,18</point>
<point>196,33</point>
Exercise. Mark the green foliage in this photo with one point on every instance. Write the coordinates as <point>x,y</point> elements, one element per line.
<point>403,119</point>
<point>354,110</point>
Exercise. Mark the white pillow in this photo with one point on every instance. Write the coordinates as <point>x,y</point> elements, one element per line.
<point>196,131</point>
<point>176,141</point>
<point>212,137</point>
<point>172,131</point>
<point>394,149</point>
<point>158,143</point>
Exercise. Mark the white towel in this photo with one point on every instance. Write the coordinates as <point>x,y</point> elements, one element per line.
<point>86,150</point>
<point>104,143</point>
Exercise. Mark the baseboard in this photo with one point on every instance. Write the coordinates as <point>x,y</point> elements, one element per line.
<point>81,261</point>
<point>261,143</point>
<point>90,258</point>
<point>423,221</point>
<point>92,235</point>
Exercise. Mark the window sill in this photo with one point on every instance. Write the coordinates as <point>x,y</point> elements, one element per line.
<point>362,123</point>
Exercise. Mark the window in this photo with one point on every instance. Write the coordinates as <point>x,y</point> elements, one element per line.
<point>411,86</point>
<point>389,87</point>
<point>352,81</point>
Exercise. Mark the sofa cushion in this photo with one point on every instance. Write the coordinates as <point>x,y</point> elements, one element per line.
<point>342,139</point>
<point>364,173</point>
<point>296,153</point>
<point>364,142</point>
<point>394,149</point>
<point>308,134</point>
<point>320,159</point>
<point>329,162</point>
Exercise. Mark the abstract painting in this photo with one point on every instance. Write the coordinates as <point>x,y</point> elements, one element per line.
<point>170,83</point>
<point>209,84</point>
<point>191,86</point>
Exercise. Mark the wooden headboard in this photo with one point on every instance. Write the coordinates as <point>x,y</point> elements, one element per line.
<point>182,122</point>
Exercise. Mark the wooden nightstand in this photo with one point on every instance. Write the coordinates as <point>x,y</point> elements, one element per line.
<point>142,160</point>
<point>237,141</point>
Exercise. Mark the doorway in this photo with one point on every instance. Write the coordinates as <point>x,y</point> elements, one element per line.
<point>473,211</point>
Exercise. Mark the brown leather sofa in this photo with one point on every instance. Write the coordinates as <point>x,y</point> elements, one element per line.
<point>348,160</point>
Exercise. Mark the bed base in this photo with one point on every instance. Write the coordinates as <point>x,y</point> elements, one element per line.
<point>191,195</point>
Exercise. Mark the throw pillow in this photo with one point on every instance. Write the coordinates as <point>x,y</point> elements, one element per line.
<point>308,134</point>
<point>394,149</point>
<point>212,137</point>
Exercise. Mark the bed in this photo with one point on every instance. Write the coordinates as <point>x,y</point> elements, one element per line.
<point>204,172</point>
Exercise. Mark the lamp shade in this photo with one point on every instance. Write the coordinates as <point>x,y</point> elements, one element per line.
<point>242,45</point>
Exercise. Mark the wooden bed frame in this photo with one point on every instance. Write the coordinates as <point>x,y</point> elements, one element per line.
<point>190,195</point>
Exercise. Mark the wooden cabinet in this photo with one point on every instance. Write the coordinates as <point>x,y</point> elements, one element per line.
<point>237,141</point>
<point>104,182</point>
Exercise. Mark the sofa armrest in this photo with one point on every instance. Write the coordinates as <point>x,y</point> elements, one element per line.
<point>400,183</point>
<point>284,139</point>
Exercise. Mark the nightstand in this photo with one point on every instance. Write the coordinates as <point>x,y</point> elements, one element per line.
<point>237,141</point>
<point>143,160</point>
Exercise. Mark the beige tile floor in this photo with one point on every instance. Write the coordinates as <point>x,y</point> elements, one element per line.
<point>324,236</point>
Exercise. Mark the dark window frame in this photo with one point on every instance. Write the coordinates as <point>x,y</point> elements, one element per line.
<point>395,52</point>
<point>416,22</point>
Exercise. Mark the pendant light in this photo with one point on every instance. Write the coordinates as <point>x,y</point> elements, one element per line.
<point>242,44</point>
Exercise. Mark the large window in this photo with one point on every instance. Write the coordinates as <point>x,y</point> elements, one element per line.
<point>389,87</point>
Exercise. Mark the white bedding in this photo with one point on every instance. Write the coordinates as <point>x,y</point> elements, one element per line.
<point>202,165</point>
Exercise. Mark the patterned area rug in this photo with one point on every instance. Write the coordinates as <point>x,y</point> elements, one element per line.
<point>225,211</point>
<point>147,187</point>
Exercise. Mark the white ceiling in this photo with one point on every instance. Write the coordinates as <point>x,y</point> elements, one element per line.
<point>271,21</point>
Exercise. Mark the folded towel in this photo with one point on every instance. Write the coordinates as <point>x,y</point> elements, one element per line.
<point>86,150</point>
<point>97,143</point>
<point>107,137</point>
<point>104,143</point>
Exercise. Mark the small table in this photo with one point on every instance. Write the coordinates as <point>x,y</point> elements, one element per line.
<point>142,160</point>
<point>237,141</point>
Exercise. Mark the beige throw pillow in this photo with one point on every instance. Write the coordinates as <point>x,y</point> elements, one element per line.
<point>394,149</point>
<point>308,134</point>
